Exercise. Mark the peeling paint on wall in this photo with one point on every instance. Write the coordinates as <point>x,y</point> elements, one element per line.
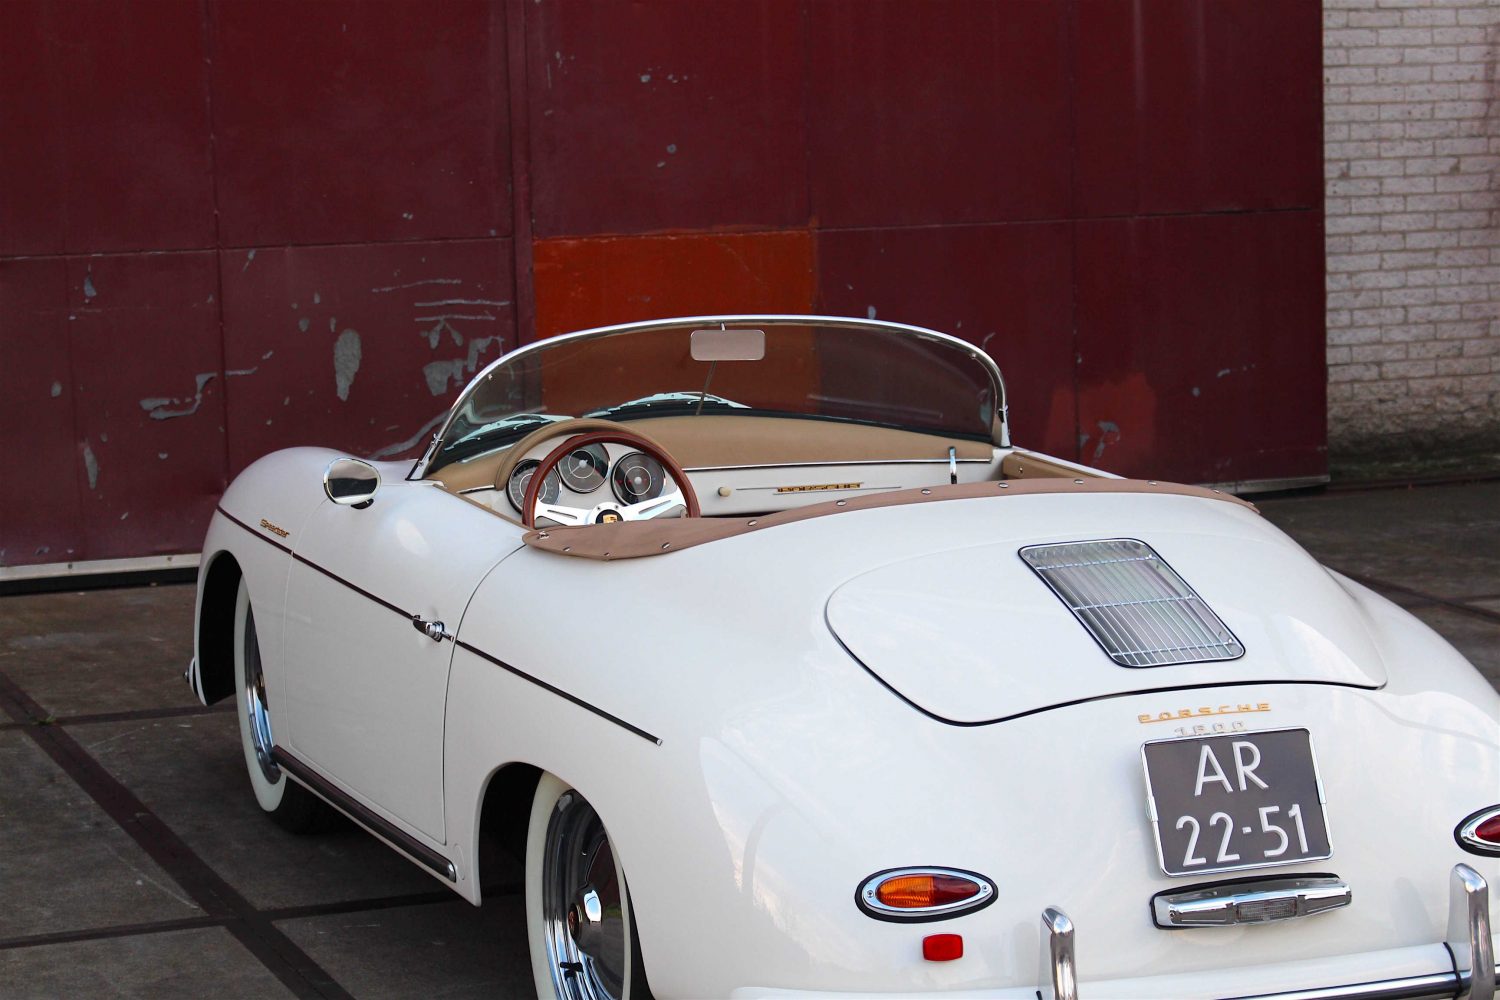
<point>346,358</point>
<point>56,389</point>
<point>439,373</point>
<point>423,281</point>
<point>88,286</point>
<point>158,406</point>
<point>91,466</point>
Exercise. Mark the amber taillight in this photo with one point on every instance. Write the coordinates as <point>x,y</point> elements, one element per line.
<point>918,894</point>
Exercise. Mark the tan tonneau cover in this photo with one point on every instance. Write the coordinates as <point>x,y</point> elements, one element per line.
<point>634,539</point>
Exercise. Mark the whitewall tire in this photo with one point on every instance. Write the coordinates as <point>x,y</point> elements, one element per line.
<point>285,801</point>
<point>578,919</point>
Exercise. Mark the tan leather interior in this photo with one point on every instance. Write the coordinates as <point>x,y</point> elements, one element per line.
<point>724,440</point>
<point>1029,465</point>
<point>635,539</point>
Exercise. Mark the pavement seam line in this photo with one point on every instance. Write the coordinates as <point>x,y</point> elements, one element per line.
<point>274,914</point>
<point>281,956</point>
<point>111,931</point>
<point>143,714</point>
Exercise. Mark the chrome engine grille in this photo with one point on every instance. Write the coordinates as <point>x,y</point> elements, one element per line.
<point>1134,605</point>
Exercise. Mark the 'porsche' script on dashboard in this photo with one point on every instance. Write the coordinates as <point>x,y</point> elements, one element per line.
<point>1246,800</point>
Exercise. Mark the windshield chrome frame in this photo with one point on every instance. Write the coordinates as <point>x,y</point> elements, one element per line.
<point>1000,432</point>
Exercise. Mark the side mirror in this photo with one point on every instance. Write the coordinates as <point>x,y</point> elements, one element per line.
<point>351,483</point>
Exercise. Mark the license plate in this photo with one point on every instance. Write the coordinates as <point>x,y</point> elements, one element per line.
<point>1242,800</point>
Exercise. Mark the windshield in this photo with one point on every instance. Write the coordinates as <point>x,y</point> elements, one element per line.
<point>852,371</point>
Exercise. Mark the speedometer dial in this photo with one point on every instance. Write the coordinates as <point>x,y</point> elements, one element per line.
<point>583,468</point>
<point>521,478</point>
<point>637,478</point>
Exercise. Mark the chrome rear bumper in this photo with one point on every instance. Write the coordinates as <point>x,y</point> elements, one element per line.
<point>1469,942</point>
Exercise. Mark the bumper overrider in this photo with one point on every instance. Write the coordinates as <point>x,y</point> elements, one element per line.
<point>1468,940</point>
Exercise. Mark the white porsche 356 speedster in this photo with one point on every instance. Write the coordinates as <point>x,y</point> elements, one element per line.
<point>796,678</point>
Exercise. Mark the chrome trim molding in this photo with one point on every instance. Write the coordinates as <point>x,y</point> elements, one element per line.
<point>1466,833</point>
<point>1002,409</point>
<point>819,465</point>
<point>865,899</point>
<point>1469,943</point>
<point>1059,978</point>
<point>1249,902</point>
<point>1469,934</point>
<point>326,790</point>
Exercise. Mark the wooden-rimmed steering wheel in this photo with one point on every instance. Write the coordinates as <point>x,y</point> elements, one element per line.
<point>609,511</point>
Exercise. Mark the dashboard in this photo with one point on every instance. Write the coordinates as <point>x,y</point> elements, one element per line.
<point>579,480</point>
<point>599,473</point>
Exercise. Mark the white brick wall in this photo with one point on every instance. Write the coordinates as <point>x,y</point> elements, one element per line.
<point>1412,160</point>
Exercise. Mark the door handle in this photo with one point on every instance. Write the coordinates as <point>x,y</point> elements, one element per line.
<point>434,630</point>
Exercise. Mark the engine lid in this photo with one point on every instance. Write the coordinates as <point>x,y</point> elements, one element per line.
<point>976,635</point>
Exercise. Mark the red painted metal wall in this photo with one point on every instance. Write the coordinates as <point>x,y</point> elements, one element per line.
<point>229,227</point>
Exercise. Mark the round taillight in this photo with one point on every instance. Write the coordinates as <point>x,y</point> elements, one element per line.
<point>917,894</point>
<point>1479,833</point>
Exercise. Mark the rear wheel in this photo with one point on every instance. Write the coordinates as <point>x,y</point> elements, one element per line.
<point>582,933</point>
<point>285,801</point>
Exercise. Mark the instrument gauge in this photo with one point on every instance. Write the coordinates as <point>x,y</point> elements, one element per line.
<point>637,478</point>
<point>583,469</point>
<point>520,478</point>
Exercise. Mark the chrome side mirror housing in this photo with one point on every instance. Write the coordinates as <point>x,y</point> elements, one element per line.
<point>350,482</point>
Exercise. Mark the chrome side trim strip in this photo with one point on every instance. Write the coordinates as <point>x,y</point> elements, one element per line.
<point>637,730</point>
<point>1059,971</point>
<point>1469,934</point>
<point>357,811</point>
<point>1249,903</point>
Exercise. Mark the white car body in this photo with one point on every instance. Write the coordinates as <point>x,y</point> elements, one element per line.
<point>764,720</point>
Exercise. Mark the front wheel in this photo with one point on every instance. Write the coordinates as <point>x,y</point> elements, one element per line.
<point>288,803</point>
<point>578,919</point>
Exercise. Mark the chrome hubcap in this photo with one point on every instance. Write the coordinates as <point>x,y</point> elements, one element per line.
<point>255,707</point>
<point>584,921</point>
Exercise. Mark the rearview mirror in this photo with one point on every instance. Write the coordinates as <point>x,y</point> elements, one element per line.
<point>351,483</point>
<point>728,345</point>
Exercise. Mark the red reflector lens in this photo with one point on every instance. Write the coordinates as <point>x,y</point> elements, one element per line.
<point>942,947</point>
<point>1489,830</point>
<point>911,892</point>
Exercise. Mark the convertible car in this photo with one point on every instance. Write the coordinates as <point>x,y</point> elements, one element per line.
<point>790,675</point>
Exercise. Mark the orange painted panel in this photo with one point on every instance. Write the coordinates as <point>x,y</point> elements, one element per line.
<point>605,280</point>
<point>599,281</point>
